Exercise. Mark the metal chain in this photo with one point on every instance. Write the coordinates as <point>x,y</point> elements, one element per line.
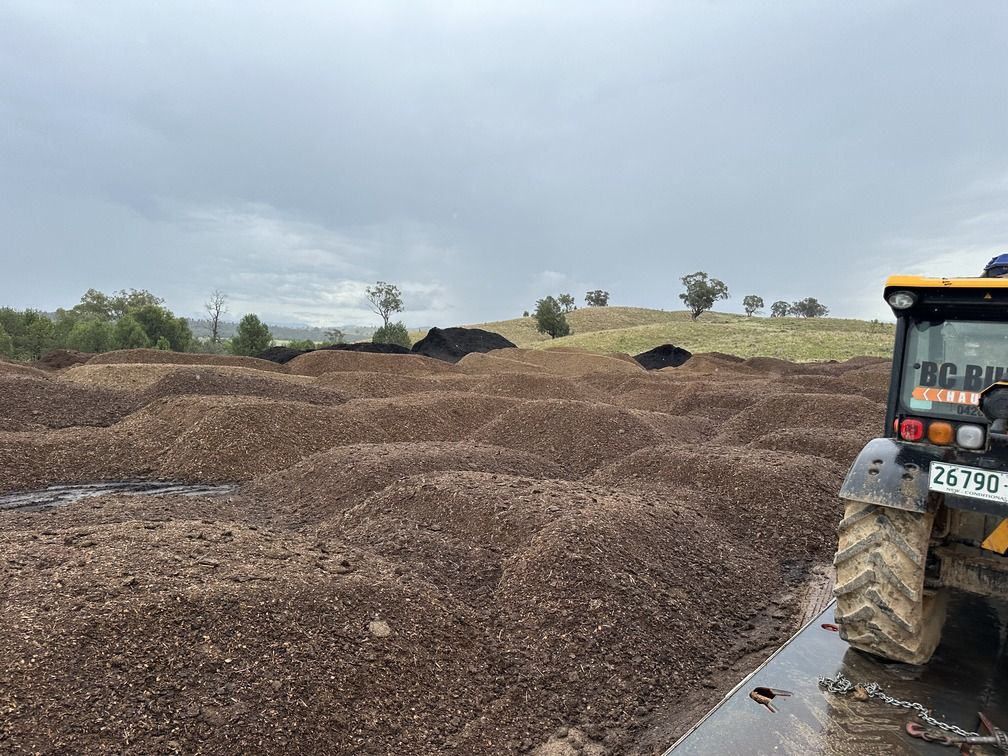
<point>840,685</point>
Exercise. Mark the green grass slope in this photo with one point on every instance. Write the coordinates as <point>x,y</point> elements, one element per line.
<point>634,330</point>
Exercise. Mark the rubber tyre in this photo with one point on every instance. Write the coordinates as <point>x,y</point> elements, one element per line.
<point>882,607</point>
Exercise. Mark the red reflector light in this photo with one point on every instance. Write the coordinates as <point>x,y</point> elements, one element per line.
<point>911,430</point>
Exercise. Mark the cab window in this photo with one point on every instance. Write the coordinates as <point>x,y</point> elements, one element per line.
<point>949,362</point>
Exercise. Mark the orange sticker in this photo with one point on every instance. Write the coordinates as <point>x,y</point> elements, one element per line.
<point>946,396</point>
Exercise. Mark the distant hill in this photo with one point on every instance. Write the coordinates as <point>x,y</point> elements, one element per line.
<point>634,329</point>
<point>201,329</point>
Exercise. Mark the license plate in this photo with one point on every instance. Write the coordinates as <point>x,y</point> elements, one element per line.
<point>969,481</point>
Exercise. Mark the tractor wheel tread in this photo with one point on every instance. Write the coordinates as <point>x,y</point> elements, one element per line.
<point>881,605</point>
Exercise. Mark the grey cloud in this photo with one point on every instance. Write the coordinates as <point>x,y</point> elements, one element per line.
<point>295,152</point>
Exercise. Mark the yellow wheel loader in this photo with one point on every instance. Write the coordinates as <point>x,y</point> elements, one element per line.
<point>925,506</point>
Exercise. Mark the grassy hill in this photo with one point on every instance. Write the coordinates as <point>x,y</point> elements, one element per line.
<point>634,330</point>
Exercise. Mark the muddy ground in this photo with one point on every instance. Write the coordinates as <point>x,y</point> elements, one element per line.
<point>525,552</point>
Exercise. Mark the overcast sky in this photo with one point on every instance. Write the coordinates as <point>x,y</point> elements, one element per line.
<point>482,155</point>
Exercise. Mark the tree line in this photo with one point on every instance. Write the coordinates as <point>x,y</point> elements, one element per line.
<point>126,319</point>
<point>137,319</point>
<point>700,295</point>
<point>703,291</point>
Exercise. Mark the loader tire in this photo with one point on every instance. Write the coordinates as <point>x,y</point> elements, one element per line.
<point>882,607</point>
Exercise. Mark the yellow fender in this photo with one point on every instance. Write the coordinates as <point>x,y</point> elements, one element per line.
<point>998,540</point>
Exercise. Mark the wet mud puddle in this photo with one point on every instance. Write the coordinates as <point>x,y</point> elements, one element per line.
<point>58,496</point>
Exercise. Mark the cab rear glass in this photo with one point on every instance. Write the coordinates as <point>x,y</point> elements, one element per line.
<point>948,363</point>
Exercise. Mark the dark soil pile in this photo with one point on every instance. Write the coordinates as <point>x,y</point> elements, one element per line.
<point>666,355</point>
<point>369,346</point>
<point>531,551</point>
<point>59,359</point>
<point>452,344</point>
<point>280,354</point>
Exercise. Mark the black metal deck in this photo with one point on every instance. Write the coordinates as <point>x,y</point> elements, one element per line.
<point>968,673</point>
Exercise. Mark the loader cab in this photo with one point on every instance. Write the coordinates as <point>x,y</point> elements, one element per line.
<point>951,351</point>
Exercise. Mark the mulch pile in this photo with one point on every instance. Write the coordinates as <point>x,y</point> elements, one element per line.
<point>138,377</point>
<point>280,354</point>
<point>19,368</point>
<point>60,359</point>
<point>239,382</point>
<point>159,357</point>
<point>542,552</point>
<point>452,344</point>
<point>369,346</point>
<point>27,403</point>
<point>324,361</point>
<point>666,355</point>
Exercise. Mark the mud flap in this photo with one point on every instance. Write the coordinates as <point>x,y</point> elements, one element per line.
<point>891,474</point>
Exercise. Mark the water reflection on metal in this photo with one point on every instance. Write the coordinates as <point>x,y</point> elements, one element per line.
<point>968,674</point>
<point>56,496</point>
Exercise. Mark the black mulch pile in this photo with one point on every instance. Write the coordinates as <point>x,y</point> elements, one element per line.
<point>280,354</point>
<point>666,355</point>
<point>452,344</point>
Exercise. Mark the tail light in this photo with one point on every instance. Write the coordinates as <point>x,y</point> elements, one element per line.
<point>940,433</point>
<point>911,430</point>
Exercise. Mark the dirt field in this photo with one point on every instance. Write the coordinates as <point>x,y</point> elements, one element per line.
<point>526,552</point>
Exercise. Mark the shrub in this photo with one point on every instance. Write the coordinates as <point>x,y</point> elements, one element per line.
<point>393,333</point>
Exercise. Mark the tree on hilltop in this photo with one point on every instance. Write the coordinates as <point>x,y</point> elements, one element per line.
<point>384,298</point>
<point>702,292</point>
<point>779,309</point>
<point>566,301</point>
<point>550,318</point>
<point>808,308</point>
<point>752,304</point>
<point>597,298</point>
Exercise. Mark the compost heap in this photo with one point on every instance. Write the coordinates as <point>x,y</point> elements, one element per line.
<point>452,344</point>
<point>526,552</point>
<point>663,356</point>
